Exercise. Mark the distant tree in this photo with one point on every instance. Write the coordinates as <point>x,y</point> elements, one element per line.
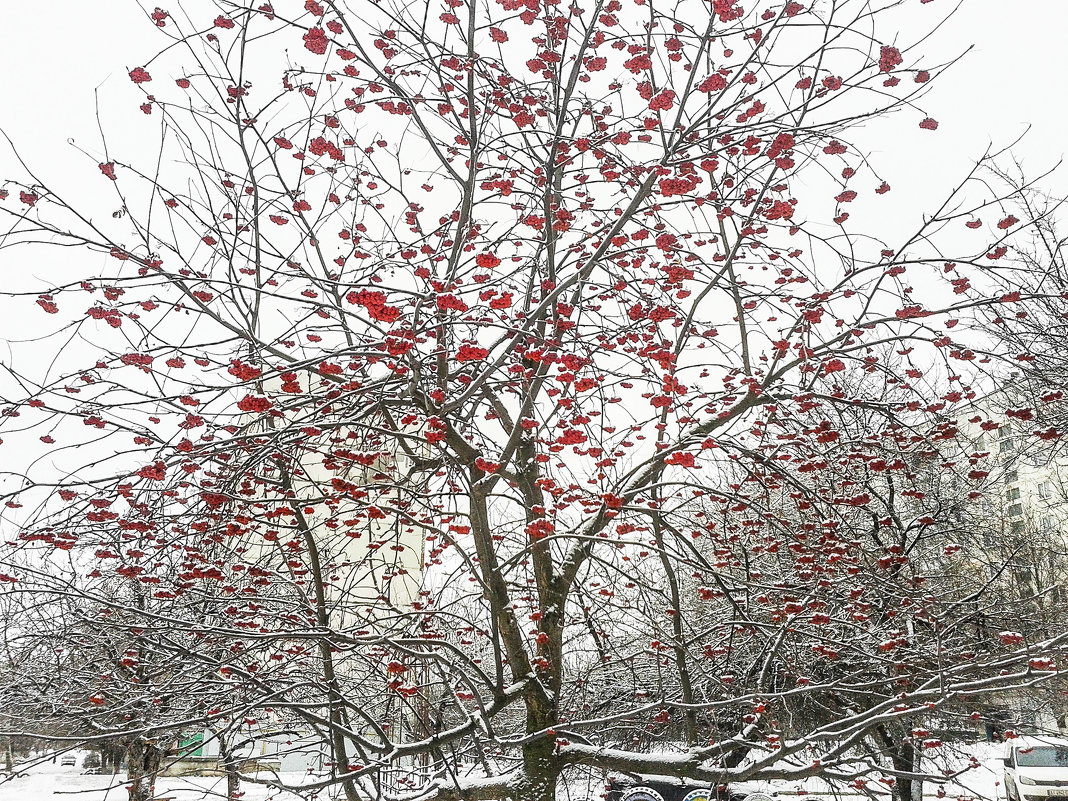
<point>1030,393</point>
<point>81,669</point>
<point>475,390</point>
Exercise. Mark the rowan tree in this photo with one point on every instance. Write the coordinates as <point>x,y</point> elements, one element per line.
<point>440,357</point>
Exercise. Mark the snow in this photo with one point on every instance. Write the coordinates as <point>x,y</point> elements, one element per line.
<point>53,781</point>
<point>983,783</point>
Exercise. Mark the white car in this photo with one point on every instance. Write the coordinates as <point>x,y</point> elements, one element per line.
<point>1036,768</point>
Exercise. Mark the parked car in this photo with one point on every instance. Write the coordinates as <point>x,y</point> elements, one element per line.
<point>667,788</point>
<point>68,760</point>
<point>1036,768</point>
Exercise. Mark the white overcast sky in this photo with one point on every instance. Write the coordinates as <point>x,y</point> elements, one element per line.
<point>57,52</point>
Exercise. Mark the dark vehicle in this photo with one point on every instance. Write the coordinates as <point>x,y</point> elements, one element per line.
<point>669,788</point>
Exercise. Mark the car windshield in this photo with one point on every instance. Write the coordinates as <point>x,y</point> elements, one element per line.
<point>1043,756</point>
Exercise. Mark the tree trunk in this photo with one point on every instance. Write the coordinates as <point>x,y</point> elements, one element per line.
<point>143,760</point>
<point>233,783</point>
<point>228,757</point>
<point>540,772</point>
<point>905,758</point>
<point>336,707</point>
<point>540,766</point>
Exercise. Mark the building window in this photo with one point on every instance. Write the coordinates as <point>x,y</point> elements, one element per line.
<point>1045,490</point>
<point>1007,445</point>
<point>1013,494</point>
<point>1014,510</point>
<point>1049,524</point>
<point>1037,457</point>
<point>1016,527</point>
<point>1010,476</point>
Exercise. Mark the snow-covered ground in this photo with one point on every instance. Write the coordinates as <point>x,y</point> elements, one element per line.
<point>50,780</point>
<point>982,783</point>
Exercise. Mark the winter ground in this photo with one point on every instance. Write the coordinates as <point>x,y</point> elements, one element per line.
<point>48,781</point>
<point>977,784</point>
